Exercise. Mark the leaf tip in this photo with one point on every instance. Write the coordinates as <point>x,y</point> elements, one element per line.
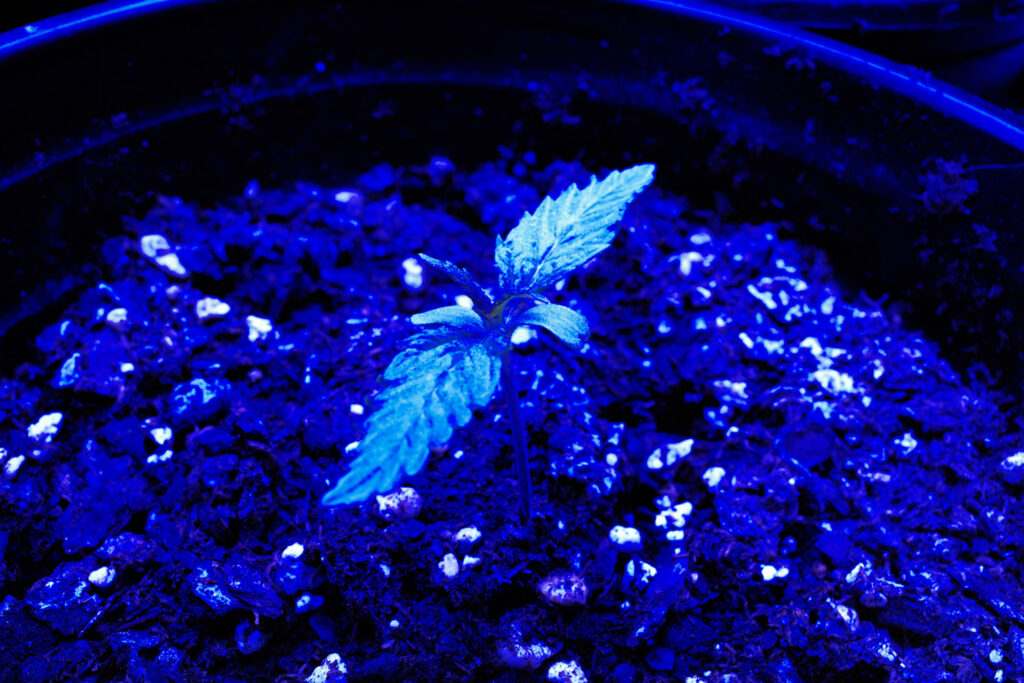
<point>643,175</point>
<point>337,496</point>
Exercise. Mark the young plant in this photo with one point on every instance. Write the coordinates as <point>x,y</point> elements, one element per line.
<point>454,364</point>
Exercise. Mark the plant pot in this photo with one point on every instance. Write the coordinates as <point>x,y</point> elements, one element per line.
<point>709,497</point>
<point>900,121</point>
<point>974,45</point>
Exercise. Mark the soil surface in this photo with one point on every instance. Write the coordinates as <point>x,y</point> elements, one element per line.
<point>745,475</point>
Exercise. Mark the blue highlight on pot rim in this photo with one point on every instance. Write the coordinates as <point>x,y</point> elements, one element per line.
<point>40,32</point>
<point>943,97</point>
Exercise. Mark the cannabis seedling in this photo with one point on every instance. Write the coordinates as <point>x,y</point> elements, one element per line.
<point>454,363</point>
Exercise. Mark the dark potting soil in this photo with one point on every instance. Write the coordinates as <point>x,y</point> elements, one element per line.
<point>744,476</point>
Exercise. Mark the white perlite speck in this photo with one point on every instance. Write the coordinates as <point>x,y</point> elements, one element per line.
<point>403,504</point>
<point>737,389</point>
<point>356,409</point>
<point>679,450</point>
<point>641,571</point>
<point>102,577</point>
<point>713,476</point>
<point>332,665</point>
<point>468,535</point>
<point>69,370</point>
<point>626,537</point>
<point>885,651</point>
<point>566,672</point>
<point>765,298</point>
<point>770,573</point>
<point>521,335</point>
<point>687,261</point>
<point>259,328</point>
<point>1014,461</point>
<point>158,249</point>
<point>154,245</point>
<point>834,382</point>
<point>294,551</point>
<point>849,615</point>
<point>449,566</point>
<point>211,308</point>
<point>654,461</point>
<point>161,435</point>
<point>162,456</point>
<point>45,428</point>
<point>674,517</point>
<point>12,466</point>
<point>413,276</point>
<point>669,455</point>
<point>172,264</point>
<point>464,301</point>
<point>860,570</point>
<point>117,318</point>
<point>348,196</point>
<point>907,442</point>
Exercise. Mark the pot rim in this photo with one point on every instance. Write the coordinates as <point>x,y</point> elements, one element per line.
<point>906,80</point>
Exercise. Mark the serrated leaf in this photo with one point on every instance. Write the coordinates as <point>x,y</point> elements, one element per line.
<point>561,321</point>
<point>463,279</point>
<point>564,233</point>
<point>432,385</point>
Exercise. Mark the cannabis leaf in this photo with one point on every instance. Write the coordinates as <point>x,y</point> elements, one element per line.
<point>456,317</point>
<point>442,374</point>
<point>564,233</point>
<point>462,278</point>
<point>561,321</point>
<point>453,365</point>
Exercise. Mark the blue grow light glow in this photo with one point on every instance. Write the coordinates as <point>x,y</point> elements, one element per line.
<point>941,96</point>
<point>40,32</point>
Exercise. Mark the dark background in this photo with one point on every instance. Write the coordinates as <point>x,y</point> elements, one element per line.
<point>977,45</point>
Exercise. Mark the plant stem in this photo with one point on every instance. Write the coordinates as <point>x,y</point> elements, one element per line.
<point>508,379</point>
